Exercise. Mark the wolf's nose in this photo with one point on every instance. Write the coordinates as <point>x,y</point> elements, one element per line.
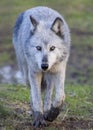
<point>44,66</point>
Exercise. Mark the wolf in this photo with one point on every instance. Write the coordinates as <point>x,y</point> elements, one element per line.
<point>41,40</point>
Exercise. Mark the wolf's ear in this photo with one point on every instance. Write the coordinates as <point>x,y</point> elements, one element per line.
<point>57,27</point>
<point>33,21</point>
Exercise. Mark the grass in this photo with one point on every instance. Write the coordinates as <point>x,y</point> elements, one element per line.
<point>14,101</point>
<point>14,92</point>
<point>15,105</point>
<point>77,98</point>
<point>79,101</point>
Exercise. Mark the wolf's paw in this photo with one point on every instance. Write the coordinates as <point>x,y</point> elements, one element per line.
<point>38,120</point>
<point>51,114</point>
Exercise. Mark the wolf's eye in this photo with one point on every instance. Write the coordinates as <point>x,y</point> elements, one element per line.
<point>52,48</point>
<point>39,48</point>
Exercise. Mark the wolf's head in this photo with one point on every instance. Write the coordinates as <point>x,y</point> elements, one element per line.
<point>47,46</point>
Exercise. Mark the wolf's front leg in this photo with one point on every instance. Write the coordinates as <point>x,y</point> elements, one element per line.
<point>59,87</point>
<point>49,92</point>
<point>58,80</point>
<point>35,83</point>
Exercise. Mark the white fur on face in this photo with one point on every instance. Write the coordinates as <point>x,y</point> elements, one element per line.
<point>46,43</point>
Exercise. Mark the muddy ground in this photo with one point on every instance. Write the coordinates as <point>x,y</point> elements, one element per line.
<point>71,123</point>
<point>68,124</point>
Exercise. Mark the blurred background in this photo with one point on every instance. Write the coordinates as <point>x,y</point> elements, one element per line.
<point>79,16</point>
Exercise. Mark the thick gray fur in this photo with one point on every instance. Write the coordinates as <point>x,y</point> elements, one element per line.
<point>42,31</point>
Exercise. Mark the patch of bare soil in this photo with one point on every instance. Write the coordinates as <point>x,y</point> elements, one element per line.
<point>74,124</point>
<point>67,124</point>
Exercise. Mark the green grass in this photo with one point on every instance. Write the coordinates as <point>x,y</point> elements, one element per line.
<point>13,92</point>
<point>80,101</point>
<point>78,97</point>
<point>15,100</point>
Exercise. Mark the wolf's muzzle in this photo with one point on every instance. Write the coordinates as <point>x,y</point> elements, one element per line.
<point>44,66</point>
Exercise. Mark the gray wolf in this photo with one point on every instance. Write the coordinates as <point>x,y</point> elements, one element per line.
<point>41,40</point>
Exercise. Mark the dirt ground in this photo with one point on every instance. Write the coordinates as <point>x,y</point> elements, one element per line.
<point>67,124</point>
<point>22,120</point>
